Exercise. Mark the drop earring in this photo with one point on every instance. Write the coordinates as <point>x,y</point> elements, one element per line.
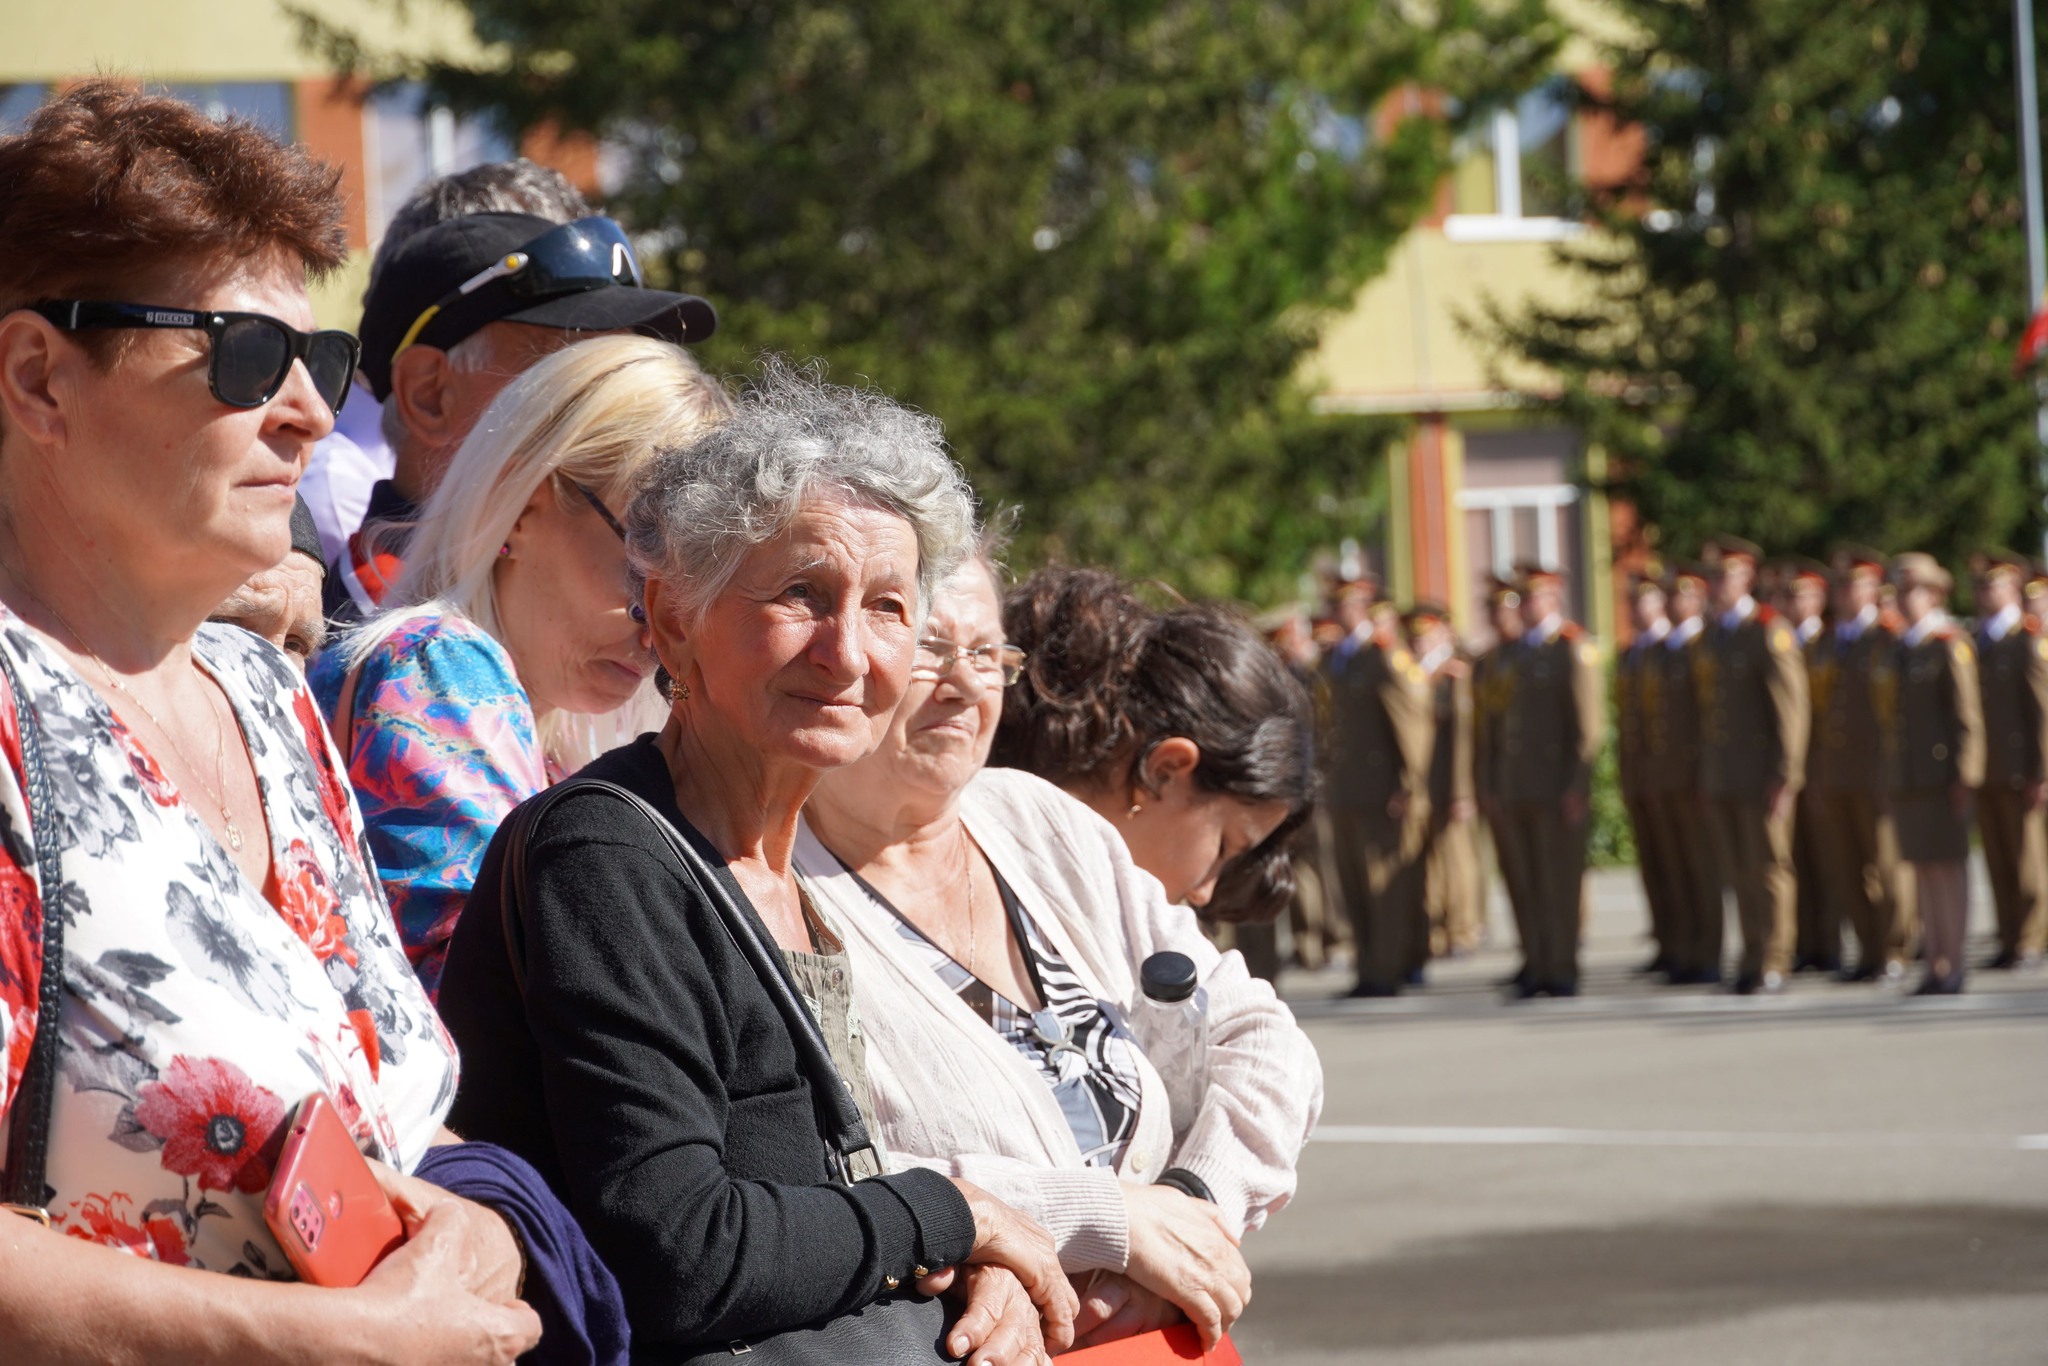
<point>678,691</point>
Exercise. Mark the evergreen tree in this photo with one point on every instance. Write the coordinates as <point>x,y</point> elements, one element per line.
<point>1803,308</point>
<point>1096,237</point>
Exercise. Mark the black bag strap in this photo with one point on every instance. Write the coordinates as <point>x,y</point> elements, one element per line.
<point>839,1120</point>
<point>28,1140</point>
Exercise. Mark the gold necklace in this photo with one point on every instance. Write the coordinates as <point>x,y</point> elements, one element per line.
<point>217,796</point>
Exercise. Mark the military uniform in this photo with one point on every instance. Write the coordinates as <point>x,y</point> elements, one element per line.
<point>1752,686</point>
<point>2012,676</point>
<point>1936,749</point>
<point>1455,908</point>
<point>1550,733</point>
<point>1381,734</point>
<point>1817,924</point>
<point>1493,686</point>
<point>1855,837</point>
<point>1638,690</point>
<point>1671,794</point>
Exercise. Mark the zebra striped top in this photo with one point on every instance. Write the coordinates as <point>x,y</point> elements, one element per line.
<point>1076,1045</point>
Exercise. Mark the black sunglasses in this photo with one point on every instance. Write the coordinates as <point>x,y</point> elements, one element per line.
<point>636,610</point>
<point>252,352</point>
<point>590,253</point>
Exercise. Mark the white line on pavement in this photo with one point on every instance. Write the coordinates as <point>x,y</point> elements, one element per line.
<point>1529,1136</point>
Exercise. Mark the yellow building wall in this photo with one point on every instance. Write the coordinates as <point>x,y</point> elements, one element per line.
<point>51,42</point>
<point>1407,344</point>
<point>215,40</point>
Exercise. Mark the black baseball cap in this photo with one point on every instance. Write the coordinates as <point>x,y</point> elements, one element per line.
<point>580,276</point>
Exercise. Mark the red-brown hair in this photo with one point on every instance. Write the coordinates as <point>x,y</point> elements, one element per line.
<point>108,188</point>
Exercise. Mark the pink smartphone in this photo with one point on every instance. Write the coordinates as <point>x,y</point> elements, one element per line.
<point>324,1203</point>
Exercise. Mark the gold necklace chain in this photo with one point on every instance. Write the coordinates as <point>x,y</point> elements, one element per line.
<point>973,930</point>
<point>218,796</point>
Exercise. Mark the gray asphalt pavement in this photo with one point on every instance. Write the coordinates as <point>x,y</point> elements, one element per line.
<point>1837,1175</point>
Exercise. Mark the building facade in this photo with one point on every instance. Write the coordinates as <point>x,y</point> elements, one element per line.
<point>1480,483</point>
<point>249,57</point>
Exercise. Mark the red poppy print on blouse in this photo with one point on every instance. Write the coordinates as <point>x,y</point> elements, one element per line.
<point>157,1236</point>
<point>217,1125</point>
<point>156,784</point>
<point>307,901</point>
<point>333,791</point>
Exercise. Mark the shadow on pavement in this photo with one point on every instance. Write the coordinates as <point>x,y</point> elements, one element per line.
<point>1724,1264</point>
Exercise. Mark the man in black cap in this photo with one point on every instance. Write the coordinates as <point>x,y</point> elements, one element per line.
<point>351,459</point>
<point>282,603</point>
<point>457,313</point>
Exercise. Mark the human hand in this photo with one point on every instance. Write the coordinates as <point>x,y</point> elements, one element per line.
<point>421,1303</point>
<point>1115,1307</point>
<point>1462,809</point>
<point>1006,1238</point>
<point>491,1262</point>
<point>1182,1251</point>
<point>998,1324</point>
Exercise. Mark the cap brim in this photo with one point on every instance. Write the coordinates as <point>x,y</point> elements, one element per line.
<point>657,312</point>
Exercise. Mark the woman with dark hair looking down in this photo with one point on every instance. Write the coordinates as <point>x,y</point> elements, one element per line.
<point>1179,726</point>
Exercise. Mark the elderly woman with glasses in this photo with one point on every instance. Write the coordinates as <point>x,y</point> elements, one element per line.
<point>510,651</point>
<point>997,929</point>
<point>622,1038</point>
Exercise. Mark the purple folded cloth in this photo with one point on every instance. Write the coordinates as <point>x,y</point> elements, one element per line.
<point>582,1314</point>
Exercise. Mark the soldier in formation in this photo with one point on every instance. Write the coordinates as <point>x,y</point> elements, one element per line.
<point>1451,855</point>
<point>1381,732</point>
<point>1638,676</point>
<point>2012,674</point>
<point>1821,756</point>
<point>1937,762</point>
<point>1550,731</point>
<point>1752,687</point>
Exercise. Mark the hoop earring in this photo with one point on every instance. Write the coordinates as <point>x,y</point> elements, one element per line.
<point>678,691</point>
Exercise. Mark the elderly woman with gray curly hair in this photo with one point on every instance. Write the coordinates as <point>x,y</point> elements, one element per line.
<point>621,980</point>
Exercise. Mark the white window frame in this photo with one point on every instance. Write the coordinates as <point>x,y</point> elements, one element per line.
<point>1548,501</point>
<point>1506,223</point>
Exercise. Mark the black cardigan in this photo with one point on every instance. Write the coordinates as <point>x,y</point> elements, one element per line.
<point>648,1077</point>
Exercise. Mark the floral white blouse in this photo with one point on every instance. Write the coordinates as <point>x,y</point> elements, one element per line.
<point>199,1008</point>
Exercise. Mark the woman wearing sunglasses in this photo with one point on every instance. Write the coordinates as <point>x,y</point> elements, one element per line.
<point>190,942</point>
<point>510,652</point>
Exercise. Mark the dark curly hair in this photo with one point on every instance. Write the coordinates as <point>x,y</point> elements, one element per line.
<point>1108,678</point>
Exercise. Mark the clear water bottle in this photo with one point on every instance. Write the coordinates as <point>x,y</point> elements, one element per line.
<point>1170,1019</point>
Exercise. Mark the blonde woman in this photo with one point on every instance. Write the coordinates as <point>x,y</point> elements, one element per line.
<point>511,650</point>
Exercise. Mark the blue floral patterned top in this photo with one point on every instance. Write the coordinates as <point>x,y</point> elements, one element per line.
<point>441,745</point>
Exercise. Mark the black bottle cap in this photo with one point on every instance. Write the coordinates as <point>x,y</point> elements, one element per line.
<point>1168,977</point>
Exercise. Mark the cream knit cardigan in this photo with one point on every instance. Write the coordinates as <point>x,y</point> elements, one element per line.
<point>951,1095</point>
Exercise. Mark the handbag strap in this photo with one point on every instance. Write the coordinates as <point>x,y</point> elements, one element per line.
<point>28,1140</point>
<point>839,1119</point>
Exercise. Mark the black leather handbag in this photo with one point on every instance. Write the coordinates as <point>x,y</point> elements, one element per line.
<point>900,1329</point>
<point>28,1139</point>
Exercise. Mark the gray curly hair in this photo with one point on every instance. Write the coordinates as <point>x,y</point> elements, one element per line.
<point>792,438</point>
